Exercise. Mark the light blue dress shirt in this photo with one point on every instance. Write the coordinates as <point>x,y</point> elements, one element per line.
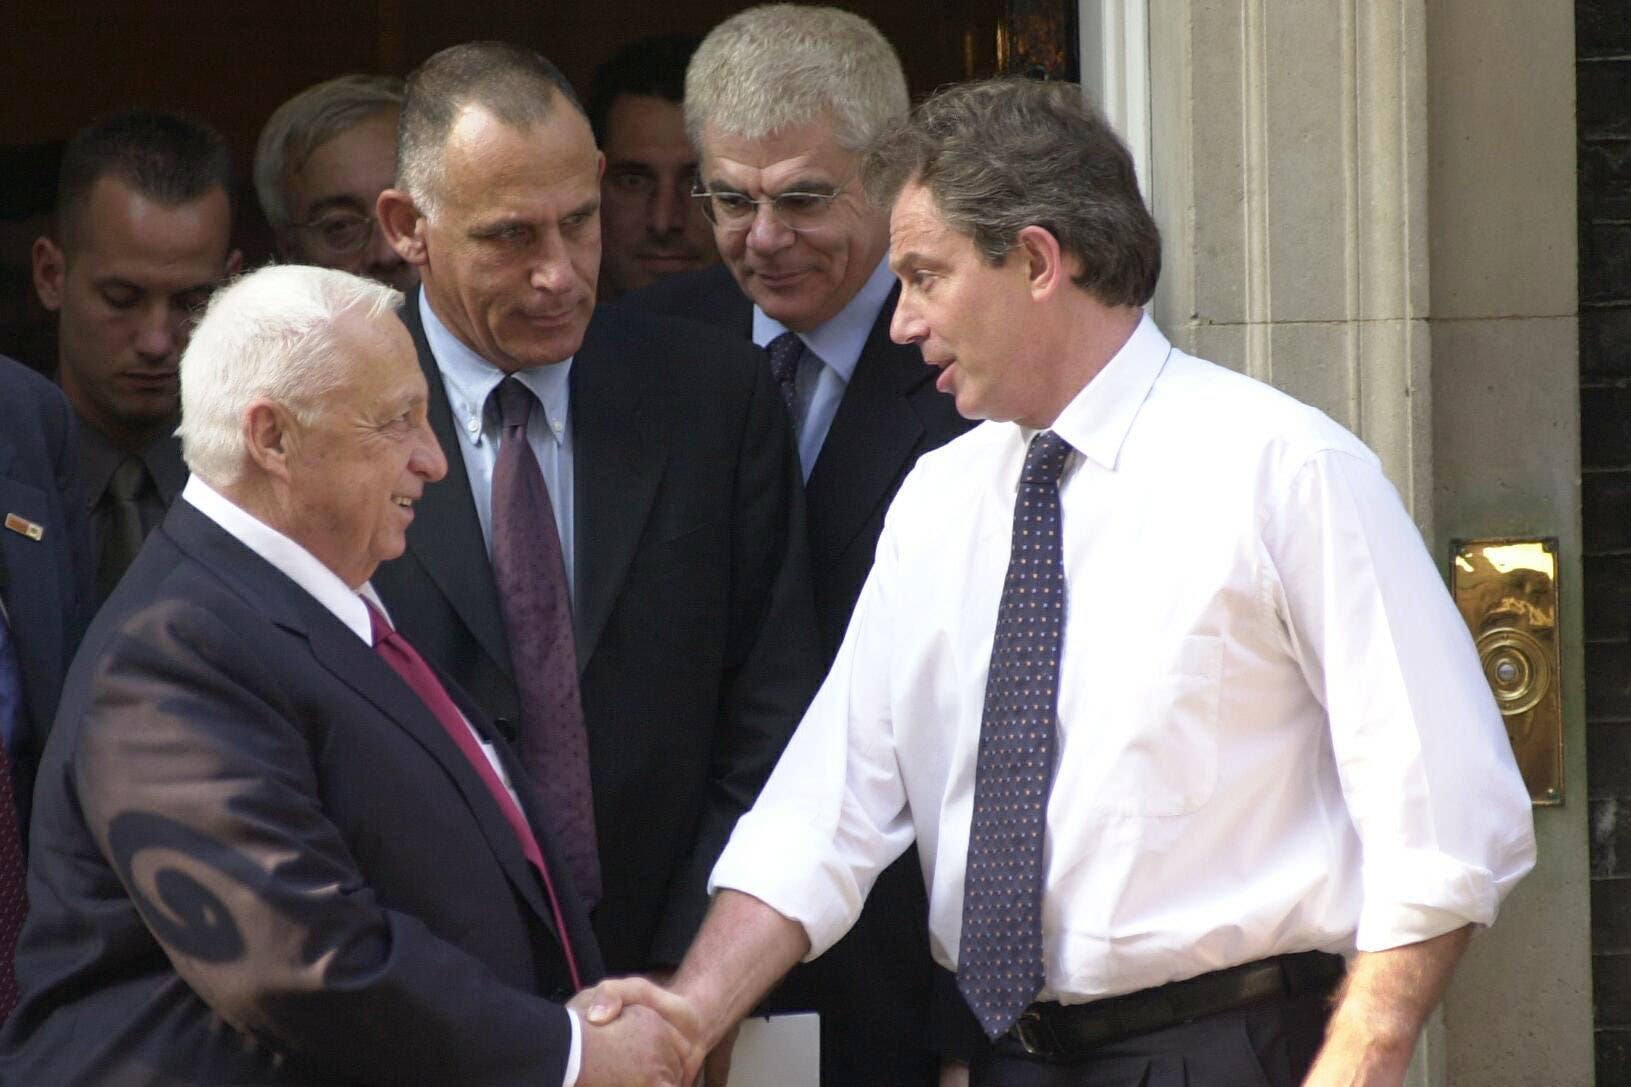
<point>469,380</point>
<point>830,354</point>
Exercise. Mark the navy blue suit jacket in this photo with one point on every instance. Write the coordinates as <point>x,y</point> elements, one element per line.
<point>44,575</point>
<point>692,614</point>
<point>258,858</point>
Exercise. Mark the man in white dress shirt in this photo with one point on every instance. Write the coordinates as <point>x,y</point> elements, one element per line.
<point>1271,740</point>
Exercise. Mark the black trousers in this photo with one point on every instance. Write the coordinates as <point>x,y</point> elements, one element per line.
<point>1271,1043</point>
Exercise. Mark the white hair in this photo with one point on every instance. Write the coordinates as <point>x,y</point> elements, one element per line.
<point>274,334</point>
<point>779,65</point>
<point>306,122</point>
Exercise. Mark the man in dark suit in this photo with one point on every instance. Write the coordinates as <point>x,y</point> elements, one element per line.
<point>779,100</point>
<point>44,556</point>
<point>142,234</point>
<point>43,562</point>
<point>271,845</point>
<point>671,641</point>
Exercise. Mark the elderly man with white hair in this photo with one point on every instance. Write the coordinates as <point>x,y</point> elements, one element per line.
<point>272,845</point>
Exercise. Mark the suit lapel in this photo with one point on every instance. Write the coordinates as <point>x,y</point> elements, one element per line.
<point>871,439</point>
<point>618,454</point>
<point>355,664</point>
<point>34,592</point>
<point>445,536</point>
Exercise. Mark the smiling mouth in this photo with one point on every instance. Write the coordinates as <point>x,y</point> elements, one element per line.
<point>403,501</point>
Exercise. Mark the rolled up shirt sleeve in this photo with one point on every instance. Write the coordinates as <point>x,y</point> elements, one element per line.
<point>833,814</point>
<point>1425,765</point>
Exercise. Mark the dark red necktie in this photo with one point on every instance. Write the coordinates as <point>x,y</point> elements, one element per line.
<point>13,897</point>
<point>407,663</point>
<point>530,576</point>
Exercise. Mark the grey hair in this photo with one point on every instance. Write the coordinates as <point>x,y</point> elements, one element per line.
<point>308,121</point>
<point>276,334</point>
<point>513,83</point>
<point>1003,154</point>
<point>778,65</point>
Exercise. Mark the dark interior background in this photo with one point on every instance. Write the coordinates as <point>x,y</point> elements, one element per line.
<point>231,62</point>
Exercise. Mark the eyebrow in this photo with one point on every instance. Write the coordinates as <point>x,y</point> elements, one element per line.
<point>342,201</point>
<point>798,185</point>
<point>899,261</point>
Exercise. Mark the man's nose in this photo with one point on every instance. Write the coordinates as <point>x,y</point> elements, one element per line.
<point>766,233</point>
<point>906,326</point>
<point>428,461</point>
<point>669,207</point>
<point>552,267</point>
<point>162,331</point>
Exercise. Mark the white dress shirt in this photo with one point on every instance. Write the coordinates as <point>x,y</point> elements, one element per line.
<point>1274,732</point>
<point>325,586</point>
<point>831,353</point>
<point>470,380</point>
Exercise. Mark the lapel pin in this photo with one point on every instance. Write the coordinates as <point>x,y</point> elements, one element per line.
<point>24,527</point>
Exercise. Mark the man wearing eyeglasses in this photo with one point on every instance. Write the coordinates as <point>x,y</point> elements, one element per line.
<point>780,100</point>
<point>142,235</point>
<point>321,162</point>
<point>650,228</point>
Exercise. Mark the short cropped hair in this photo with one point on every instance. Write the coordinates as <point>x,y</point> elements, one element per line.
<point>779,65</point>
<point>654,67</point>
<point>166,157</point>
<point>308,121</point>
<point>1004,154</point>
<point>513,83</point>
<point>274,333</point>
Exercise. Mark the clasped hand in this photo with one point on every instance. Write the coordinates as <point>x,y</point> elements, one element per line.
<point>638,1034</point>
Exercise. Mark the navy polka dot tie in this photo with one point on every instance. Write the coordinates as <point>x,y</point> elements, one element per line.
<point>785,352</point>
<point>1000,956</point>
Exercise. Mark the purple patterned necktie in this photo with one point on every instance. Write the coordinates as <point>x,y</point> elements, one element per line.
<point>1000,969</point>
<point>531,581</point>
<point>785,352</point>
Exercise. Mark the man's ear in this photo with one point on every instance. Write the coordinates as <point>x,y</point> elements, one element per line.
<point>1044,261</point>
<point>268,430</point>
<point>50,266</point>
<point>403,225</point>
<point>235,263</point>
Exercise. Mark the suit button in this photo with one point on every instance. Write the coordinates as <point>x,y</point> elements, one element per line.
<point>506,728</point>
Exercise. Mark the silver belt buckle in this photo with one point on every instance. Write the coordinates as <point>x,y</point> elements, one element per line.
<point>1034,1034</point>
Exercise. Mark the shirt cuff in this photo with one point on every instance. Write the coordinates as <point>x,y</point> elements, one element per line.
<point>574,1059</point>
<point>793,870</point>
<point>1415,895</point>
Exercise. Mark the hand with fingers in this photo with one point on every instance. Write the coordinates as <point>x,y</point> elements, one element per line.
<point>637,1034</point>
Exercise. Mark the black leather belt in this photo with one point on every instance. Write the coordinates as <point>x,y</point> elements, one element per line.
<point>1067,1032</point>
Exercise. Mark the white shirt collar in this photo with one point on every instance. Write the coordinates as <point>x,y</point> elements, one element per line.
<point>1097,420</point>
<point>471,379</point>
<point>839,340</point>
<point>299,565</point>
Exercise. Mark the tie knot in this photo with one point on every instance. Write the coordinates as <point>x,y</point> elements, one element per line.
<point>1045,460</point>
<point>128,479</point>
<point>784,357</point>
<point>515,403</point>
<point>380,626</point>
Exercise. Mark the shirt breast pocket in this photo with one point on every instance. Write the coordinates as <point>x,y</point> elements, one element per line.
<point>1161,759</point>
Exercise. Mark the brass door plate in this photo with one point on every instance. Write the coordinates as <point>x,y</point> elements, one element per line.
<point>1507,592</point>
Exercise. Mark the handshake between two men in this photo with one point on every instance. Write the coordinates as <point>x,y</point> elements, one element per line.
<point>638,1033</point>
